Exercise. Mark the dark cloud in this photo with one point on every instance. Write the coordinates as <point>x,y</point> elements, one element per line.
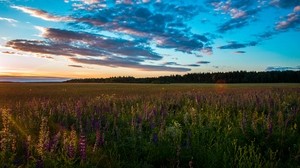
<point>8,52</point>
<point>285,3</point>
<point>70,43</point>
<point>282,68</point>
<point>236,45</point>
<point>48,57</point>
<point>233,45</point>
<point>238,22</point>
<point>164,24</point>
<point>197,64</point>
<point>122,62</point>
<point>97,49</point>
<point>76,66</point>
<point>193,65</point>
<point>171,63</point>
<point>240,52</point>
<point>232,24</point>
<point>266,35</point>
<point>203,62</point>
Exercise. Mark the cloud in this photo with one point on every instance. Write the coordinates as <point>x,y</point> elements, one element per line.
<point>163,24</point>
<point>8,52</point>
<point>238,22</point>
<point>90,1</point>
<point>240,12</point>
<point>122,62</point>
<point>232,24</point>
<point>297,9</point>
<point>203,62</point>
<point>292,20</point>
<point>41,14</point>
<point>282,68</point>
<point>236,45</point>
<point>193,65</point>
<point>95,49</point>
<point>8,20</point>
<point>76,66</point>
<point>197,64</point>
<point>137,27</point>
<point>240,52</point>
<point>207,50</point>
<point>285,3</point>
<point>266,35</point>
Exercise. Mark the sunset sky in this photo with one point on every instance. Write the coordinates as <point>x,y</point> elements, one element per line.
<point>104,38</point>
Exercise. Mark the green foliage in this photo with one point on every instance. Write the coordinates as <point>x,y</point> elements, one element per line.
<point>119,125</point>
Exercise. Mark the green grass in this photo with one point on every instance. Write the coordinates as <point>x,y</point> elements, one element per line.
<point>142,125</point>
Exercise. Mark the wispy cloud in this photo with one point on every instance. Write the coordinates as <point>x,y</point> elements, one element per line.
<point>122,62</point>
<point>291,20</point>
<point>240,12</point>
<point>236,45</point>
<point>76,66</point>
<point>283,68</point>
<point>41,14</point>
<point>284,3</point>
<point>240,52</point>
<point>8,20</point>
<point>203,62</point>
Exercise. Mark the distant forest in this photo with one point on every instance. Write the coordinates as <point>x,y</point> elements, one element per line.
<point>219,77</point>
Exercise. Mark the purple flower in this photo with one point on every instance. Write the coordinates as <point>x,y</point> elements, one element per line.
<point>82,147</point>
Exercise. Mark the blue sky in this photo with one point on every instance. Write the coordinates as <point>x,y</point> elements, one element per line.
<point>102,38</point>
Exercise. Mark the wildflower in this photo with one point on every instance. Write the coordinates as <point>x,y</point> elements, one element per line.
<point>55,141</point>
<point>82,147</point>
<point>99,140</point>
<point>72,144</point>
<point>28,147</point>
<point>43,141</point>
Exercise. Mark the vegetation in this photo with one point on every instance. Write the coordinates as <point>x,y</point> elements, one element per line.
<point>220,77</point>
<point>121,125</point>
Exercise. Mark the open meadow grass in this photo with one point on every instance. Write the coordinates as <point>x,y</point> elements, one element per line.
<point>143,125</point>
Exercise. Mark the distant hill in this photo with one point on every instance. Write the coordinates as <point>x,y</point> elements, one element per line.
<point>218,77</point>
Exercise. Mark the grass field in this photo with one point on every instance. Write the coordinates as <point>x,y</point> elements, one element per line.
<point>141,125</point>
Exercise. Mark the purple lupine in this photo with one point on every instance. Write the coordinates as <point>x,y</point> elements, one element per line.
<point>71,146</point>
<point>55,141</point>
<point>82,146</point>
<point>98,140</point>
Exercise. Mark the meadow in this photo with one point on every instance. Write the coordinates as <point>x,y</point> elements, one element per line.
<point>144,125</point>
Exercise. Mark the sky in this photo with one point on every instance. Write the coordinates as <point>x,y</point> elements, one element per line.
<point>146,38</point>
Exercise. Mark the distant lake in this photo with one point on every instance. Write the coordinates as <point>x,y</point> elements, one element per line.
<point>31,79</point>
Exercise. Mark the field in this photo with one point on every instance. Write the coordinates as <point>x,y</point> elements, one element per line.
<point>141,125</point>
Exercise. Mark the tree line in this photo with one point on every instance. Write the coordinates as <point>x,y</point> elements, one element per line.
<point>217,77</point>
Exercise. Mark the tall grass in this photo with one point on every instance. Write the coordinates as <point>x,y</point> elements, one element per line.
<point>77,125</point>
